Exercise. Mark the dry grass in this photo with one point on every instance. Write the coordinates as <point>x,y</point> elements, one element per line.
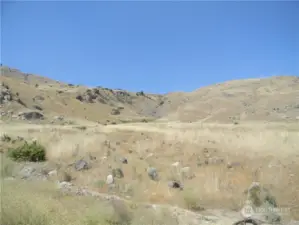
<point>60,99</point>
<point>265,154</point>
<point>271,99</point>
<point>36,203</point>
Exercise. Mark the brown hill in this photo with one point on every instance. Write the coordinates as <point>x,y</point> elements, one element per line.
<point>268,99</point>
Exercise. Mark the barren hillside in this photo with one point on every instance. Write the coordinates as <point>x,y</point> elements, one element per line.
<point>269,99</point>
<point>195,173</point>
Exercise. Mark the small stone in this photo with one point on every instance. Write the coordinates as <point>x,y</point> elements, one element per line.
<point>52,173</point>
<point>175,184</point>
<point>26,172</point>
<point>109,179</point>
<point>152,173</point>
<point>185,169</point>
<point>124,160</point>
<point>176,164</point>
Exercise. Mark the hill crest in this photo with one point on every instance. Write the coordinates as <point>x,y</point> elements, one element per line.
<point>266,99</point>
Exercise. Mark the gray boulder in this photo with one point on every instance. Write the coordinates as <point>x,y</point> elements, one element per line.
<point>81,165</point>
<point>26,172</point>
<point>152,173</point>
<point>31,115</point>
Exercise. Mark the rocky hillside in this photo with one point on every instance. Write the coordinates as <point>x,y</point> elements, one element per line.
<point>270,99</point>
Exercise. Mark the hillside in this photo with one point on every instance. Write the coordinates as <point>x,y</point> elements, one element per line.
<point>186,172</point>
<point>269,99</point>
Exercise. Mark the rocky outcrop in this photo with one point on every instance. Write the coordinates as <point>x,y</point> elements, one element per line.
<point>105,95</point>
<point>5,94</point>
<point>31,115</point>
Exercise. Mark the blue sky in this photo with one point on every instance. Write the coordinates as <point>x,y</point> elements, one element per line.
<point>152,46</point>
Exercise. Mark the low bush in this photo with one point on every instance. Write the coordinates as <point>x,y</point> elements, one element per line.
<point>33,152</point>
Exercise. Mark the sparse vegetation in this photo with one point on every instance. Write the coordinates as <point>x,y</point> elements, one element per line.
<point>265,152</point>
<point>191,201</point>
<point>7,167</point>
<point>81,128</point>
<point>6,138</point>
<point>140,93</point>
<point>33,152</point>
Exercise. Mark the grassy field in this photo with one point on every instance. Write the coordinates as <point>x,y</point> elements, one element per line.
<point>267,153</point>
<point>37,203</point>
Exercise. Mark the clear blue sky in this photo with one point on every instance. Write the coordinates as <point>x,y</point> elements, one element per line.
<point>151,46</point>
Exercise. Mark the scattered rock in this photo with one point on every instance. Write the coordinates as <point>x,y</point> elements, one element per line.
<point>231,165</point>
<point>91,157</point>
<point>88,96</point>
<point>175,184</point>
<point>59,118</point>
<point>5,94</point>
<point>124,160</point>
<point>176,164</point>
<point>31,115</point>
<point>64,185</point>
<point>149,155</point>
<point>38,107</point>
<point>26,172</point>
<point>53,173</point>
<point>109,179</point>
<point>115,112</point>
<point>104,158</point>
<point>216,160</point>
<point>185,169</point>
<point>81,165</point>
<point>152,173</point>
<point>38,98</point>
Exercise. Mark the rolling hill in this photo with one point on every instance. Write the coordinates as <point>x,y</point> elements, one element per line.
<point>268,99</point>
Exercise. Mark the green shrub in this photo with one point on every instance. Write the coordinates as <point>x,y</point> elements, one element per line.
<point>32,152</point>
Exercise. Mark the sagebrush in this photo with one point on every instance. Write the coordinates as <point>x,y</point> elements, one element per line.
<point>32,152</point>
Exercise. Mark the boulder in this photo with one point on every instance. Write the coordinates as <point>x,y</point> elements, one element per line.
<point>31,115</point>
<point>81,165</point>
<point>109,179</point>
<point>152,173</point>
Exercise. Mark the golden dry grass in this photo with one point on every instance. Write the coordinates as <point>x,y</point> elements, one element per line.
<point>36,203</point>
<point>266,153</point>
<point>60,99</point>
<point>270,99</point>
